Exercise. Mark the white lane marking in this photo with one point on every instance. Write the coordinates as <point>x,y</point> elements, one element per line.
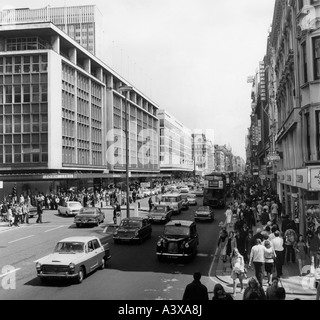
<point>2,275</point>
<point>21,238</point>
<point>55,228</point>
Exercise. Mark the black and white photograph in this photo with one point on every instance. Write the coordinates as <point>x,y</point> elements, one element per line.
<point>159,153</point>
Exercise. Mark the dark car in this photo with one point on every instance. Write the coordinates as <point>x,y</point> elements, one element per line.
<point>160,213</point>
<point>179,239</point>
<point>89,216</point>
<point>204,213</point>
<point>133,229</point>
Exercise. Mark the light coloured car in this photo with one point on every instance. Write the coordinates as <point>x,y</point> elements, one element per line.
<point>70,208</point>
<point>74,258</point>
<point>204,213</point>
<point>192,199</point>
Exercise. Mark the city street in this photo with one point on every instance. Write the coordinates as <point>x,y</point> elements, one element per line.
<point>132,273</point>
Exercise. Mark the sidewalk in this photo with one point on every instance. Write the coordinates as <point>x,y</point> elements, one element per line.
<point>108,211</point>
<point>291,281</point>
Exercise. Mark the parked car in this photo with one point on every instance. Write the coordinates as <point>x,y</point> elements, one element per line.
<point>160,213</point>
<point>192,199</point>
<point>179,239</point>
<point>204,213</point>
<point>74,258</point>
<point>89,216</point>
<point>70,208</point>
<point>32,211</point>
<point>133,229</point>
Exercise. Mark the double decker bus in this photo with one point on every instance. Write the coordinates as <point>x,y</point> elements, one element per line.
<point>215,190</point>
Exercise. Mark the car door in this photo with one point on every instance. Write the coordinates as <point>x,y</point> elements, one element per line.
<point>98,250</point>
<point>92,260</point>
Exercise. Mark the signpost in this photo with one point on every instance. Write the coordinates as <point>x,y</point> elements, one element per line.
<point>273,157</point>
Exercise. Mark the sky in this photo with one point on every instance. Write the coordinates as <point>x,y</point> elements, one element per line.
<point>190,57</point>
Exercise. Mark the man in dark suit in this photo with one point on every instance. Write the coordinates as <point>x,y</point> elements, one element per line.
<point>196,290</point>
<point>39,212</point>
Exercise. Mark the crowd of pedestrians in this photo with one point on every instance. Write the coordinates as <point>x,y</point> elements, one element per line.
<point>258,234</point>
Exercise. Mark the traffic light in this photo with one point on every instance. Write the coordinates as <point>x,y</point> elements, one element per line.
<point>14,191</point>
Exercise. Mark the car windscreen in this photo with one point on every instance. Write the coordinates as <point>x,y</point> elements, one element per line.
<point>169,199</point>
<point>176,231</point>
<point>160,209</point>
<point>213,192</point>
<point>203,209</point>
<point>130,224</point>
<point>69,247</point>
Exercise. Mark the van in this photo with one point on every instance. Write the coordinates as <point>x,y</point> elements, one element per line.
<point>173,200</point>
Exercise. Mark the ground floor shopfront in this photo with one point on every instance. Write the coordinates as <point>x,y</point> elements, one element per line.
<point>32,184</point>
<point>299,192</point>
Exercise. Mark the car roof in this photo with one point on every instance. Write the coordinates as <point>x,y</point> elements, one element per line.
<point>173,194</point>
<point>185,223</point>
<point>73,202</point>
<point>78,239</point>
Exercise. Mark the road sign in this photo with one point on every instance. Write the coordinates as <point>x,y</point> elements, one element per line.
<point>273,157</point>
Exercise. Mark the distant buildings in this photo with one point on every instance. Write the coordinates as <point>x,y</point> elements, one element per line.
<point>63,111</point>
<point>283,149</point>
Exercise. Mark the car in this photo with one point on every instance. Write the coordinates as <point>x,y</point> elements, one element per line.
<point>89,216</point>
<point>70,208</point>
<point>192,199</point>
<point>184,190</point>
<point>179,239</point>
<point>32,211</point>
<point>160,213</point>
<point>133,229</point>
<point>204,213</point>
<point>173,200</point>
<point>74,258</point>
<point>198,192</point>
<point>185,202</point>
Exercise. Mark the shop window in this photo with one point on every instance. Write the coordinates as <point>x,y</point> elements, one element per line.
<point>316,57</point>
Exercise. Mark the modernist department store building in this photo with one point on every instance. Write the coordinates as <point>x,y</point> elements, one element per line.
<point>58,105</point>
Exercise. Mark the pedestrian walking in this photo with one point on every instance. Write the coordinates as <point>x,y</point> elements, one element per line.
<point>10,217</point>
<point>301,250</point>
<point>277,244</point>
<point>238,270</point>
<point>228,215</point>
<point>39,212</point>
<point>196,290</point>
<point>257,258</point>
<point>269,257</point>
<point>150,203</point>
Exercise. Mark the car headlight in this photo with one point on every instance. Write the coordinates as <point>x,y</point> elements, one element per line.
<point>72,266</point>
<point>186,245</point>
<point>38,266</point>
<point>136,233</point>
<point>115,233</point>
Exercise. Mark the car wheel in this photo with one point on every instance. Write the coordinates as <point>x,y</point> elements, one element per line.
<point>115,241</point>
<point>59,212</point>
<point>78,225</point>
<point>81,274</point>
<point>103,264</point>
<point>67,215</point>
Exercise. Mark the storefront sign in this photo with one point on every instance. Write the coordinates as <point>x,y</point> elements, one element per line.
<point>315,178</point>
<point>301,176</point>
<point>58,176</point>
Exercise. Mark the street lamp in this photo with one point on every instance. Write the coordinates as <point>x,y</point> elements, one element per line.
<point>126,89</point>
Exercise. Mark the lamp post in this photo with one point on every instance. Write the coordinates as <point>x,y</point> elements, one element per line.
<point>126,89</point>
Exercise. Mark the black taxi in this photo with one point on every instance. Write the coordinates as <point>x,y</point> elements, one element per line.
<point>179,239</point>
